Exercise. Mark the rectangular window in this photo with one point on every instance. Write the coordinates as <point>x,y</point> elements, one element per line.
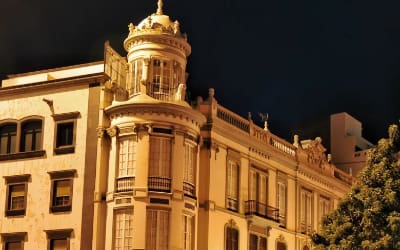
<point>58,239</point>
<point>232,185</point>
<point>160,164</point>
<point>281,202</point>
<point>257,242</point>
<point>65,134</point>
<point>253,244</point>
<point>189,179</point>
<point>13,241</point>
<point>8,134</point>
<point>324,206</point>
<point>231,239</point>
<point>17,187</point>
<point>157,228</point>
<point>306,211</point>
<point>59,244</point>
<point>61,190</point>
<point>187,232</point>
<point>263,243</point>
<point>123,229</point>
<point>127,157</point>
<point>136,76</point>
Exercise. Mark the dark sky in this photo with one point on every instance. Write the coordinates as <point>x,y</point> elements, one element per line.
<point>299,61</point>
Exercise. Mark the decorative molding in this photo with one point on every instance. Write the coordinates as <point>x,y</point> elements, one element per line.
<point>113,131</point>
<point>66,116</point>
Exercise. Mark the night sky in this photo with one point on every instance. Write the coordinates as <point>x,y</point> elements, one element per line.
<point>299,61</point>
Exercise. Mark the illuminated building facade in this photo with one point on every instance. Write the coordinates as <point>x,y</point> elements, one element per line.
<point>109,155</point>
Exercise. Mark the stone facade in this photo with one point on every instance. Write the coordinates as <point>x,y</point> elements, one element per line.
<point>109,155</point>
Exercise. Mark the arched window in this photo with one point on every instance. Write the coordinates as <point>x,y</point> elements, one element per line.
<point>8,135</point>
<point>31,136</point>
<point>306,248</point>
<point>231,238</point>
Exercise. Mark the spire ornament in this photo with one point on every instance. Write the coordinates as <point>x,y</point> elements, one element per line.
<point>159,9</point>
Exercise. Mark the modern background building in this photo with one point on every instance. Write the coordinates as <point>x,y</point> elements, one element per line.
<point>110,155</point>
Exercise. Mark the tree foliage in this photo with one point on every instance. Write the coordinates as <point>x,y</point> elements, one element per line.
<point>369,216</point>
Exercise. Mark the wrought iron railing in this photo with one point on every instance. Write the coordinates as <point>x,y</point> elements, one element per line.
<point>125,184</point>
<point>253,207</point>
<point>189,189</point>
<point>162,92</point>
<point>232,204</point>
<point>159,184</point>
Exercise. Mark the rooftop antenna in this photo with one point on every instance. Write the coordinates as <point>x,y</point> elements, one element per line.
<point>159,9</point>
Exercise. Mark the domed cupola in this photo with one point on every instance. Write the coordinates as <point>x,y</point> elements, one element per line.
<point>157,57</point>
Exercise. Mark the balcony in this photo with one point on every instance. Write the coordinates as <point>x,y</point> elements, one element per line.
<point>162,92</point>
<point>189,189</point>
<point>232,204</point>
<point>125,184</point>
<point>305,228</point>
<point>253,207</point>
<point>159,184</point>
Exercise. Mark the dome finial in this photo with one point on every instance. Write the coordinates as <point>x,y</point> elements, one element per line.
<point>159,9</point>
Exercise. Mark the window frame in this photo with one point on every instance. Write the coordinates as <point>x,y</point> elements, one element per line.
<point>34,140</point>
<point>232,157</point>
<point>62,119</point>
<point>190,168</point>
<point>231,226</point>
<point>13,238</point>
<point>259,238</point>
<point>188,232</point>
<point>281,180</point>
<point>58,234</point>
<point>121,210</point>
<point>57,176</point>
<point>16,153</point>
<point>13,181</point>
<point>159,234</point>
<point>9,136</point>
<point>306,210</point>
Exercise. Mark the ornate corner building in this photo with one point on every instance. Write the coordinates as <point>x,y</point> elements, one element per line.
<point>109,155</point>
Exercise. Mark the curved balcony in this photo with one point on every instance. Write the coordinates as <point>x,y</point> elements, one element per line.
<point>189,189</point>
<point>125,184</point>
<point>253,207</point>
<point>163,92</point>
<point>159,184</point>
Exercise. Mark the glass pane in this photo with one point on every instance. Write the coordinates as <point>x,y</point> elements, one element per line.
<point>253,242</point>
<point>63,188</point>
<point>13,139</point>
<point>65,134</point>
<point>13,246</point>
<point>3,145</point>
<point>59,244</point>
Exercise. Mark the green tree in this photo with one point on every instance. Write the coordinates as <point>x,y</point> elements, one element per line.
<point>369,216</point>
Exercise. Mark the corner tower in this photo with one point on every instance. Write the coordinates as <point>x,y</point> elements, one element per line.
<point>150,177</point>
<point>157,57</point>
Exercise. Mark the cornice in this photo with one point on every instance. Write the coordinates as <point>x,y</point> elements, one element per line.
<point>52,84</point>
<point>160,108</point>
<point>157,38</point>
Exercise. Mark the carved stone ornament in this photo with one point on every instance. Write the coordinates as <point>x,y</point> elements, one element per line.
<point>112,131</point>
<point>100,132</point>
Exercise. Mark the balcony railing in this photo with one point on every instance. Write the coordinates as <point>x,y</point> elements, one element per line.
<point>189,189</point>
<point>159,184</point>
<point>253,207</point>
<point>162,93</point>
<point>232,204</point>
<point>125,184</point>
